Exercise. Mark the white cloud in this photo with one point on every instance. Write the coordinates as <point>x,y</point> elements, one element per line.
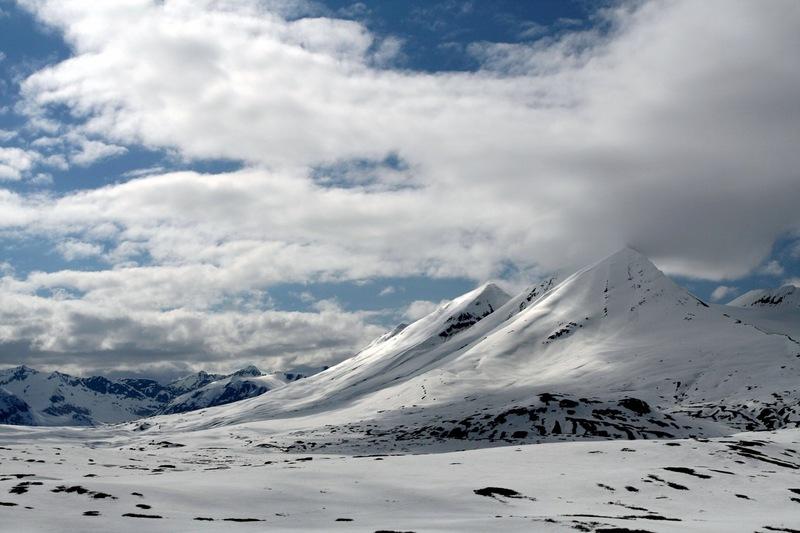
<point>552,155</point>
<point>599,131</point>
<point>54,330</point>
<point>72,249</point>
<point>389,289</point>
<point>772,268</point>
<point>135,173</point>
<point>91,151</point>
<point>722,292</point>
<point>14,162</point>
<point>419,308</point>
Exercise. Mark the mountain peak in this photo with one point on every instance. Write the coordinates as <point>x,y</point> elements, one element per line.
<point>627,253</point>
<point>249,370</point>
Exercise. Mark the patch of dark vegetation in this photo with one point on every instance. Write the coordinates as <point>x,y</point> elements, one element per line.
<point>621,530</point>
<point>743,496</point>
<point>635,405</point>
<point>343,520</point>
<point>91,513</point>
<point>670,484</point>
<point>22,488</point>
<point>494,492</point>
<point>77,489</point>
<point>139,515</point>
<point>8,504</point>
<point>631,489</point>
<point>722,471</point>
<point>687,471</point>
<point>651,516</point>
<point>203,519</point>
<point>607,487</point>
<point>242,519</point>
<point>143,506</point>
<point>166,444</point>
<point>749,453</point>
<point>784,529</point>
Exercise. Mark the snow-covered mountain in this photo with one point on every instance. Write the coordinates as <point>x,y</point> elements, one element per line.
<point>615,350</point>
<point>786,297</point>
<point>245,383</point>
<point>770,310</point>
<point>60,399</point>
<point>31,397</point>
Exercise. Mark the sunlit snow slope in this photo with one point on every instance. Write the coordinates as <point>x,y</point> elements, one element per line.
<point>616,350</point>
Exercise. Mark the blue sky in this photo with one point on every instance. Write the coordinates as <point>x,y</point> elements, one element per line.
<point>368,159</point>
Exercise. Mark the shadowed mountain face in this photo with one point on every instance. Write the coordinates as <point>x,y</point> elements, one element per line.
<point>30,397</point>
<point>617,350</point>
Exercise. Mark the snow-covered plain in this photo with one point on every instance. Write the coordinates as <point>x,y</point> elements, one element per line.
<point>746,482</point>
<point>611,401</point>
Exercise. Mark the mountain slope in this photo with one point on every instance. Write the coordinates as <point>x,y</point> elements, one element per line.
<point>391,358</point>
<point>615,350</point>
<point>240,385</point>
<point>770,310</point>
<point>14,411</point>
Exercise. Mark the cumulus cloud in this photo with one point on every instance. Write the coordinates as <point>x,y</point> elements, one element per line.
<point>722,292</point>
<point>552,154</point>
<point>14,162</point>
<point>72,249</point>
<point>588,141</point>
<point>90,151</point>
<point>50,331</point>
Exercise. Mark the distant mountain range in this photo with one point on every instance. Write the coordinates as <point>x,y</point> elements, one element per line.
<point>31,397</point>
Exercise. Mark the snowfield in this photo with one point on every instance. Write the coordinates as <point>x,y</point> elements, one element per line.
<point>613,401</point>
<point>79,480</point>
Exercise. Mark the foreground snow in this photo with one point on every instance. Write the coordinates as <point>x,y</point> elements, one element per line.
<point>55,479</point>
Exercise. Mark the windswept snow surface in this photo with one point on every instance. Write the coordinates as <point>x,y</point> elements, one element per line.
<point>95,480</point>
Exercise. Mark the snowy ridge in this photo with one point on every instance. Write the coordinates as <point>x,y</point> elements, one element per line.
<point>787,297</point>
<point>245,383</point>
